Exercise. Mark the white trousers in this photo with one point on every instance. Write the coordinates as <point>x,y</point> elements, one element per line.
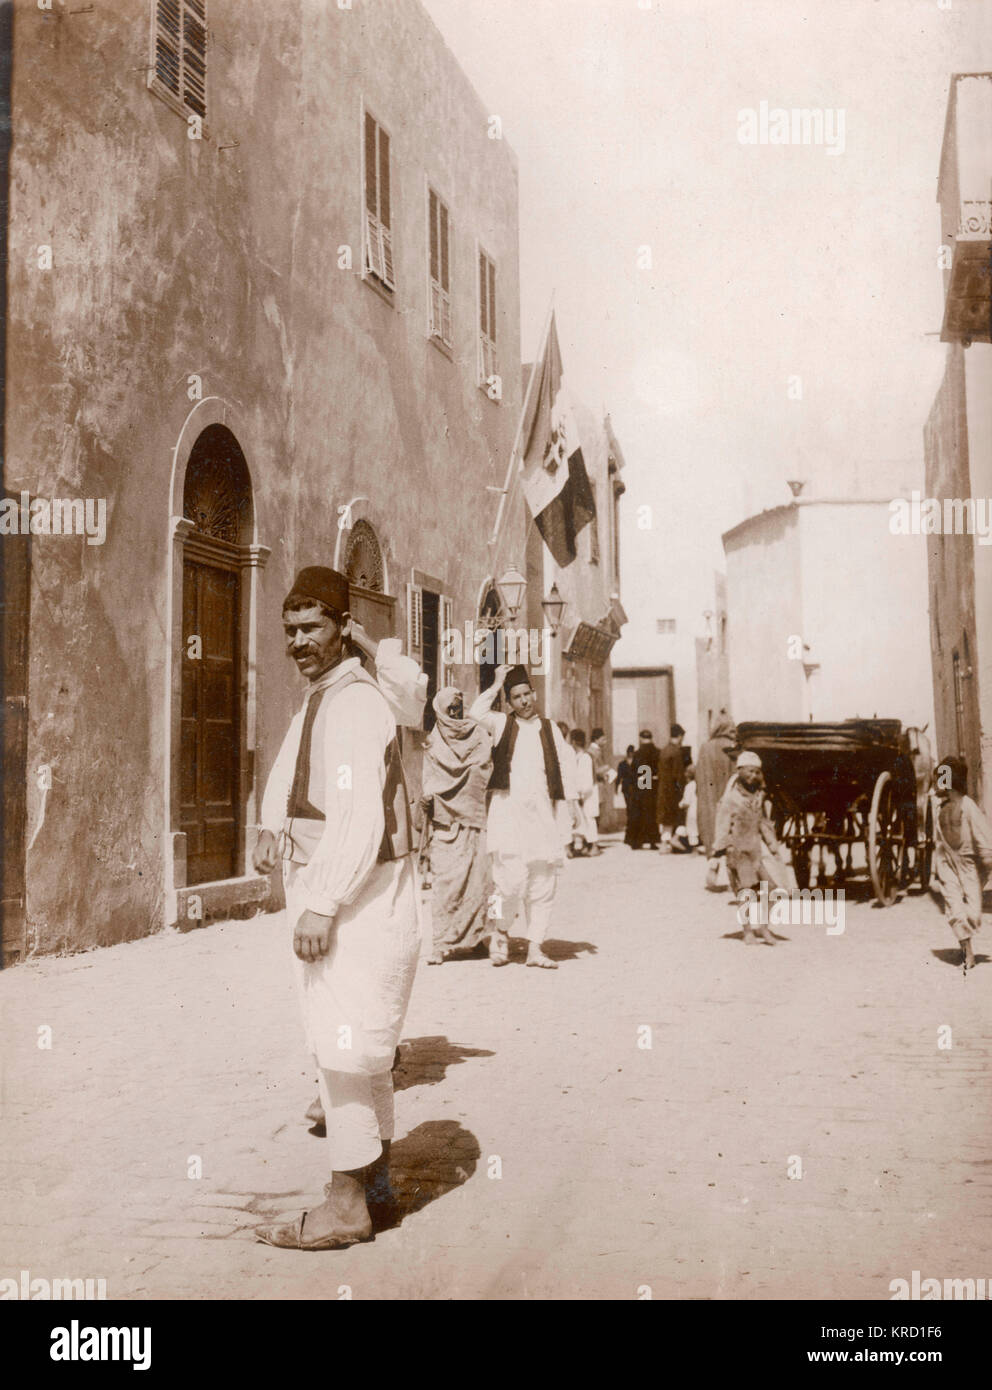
<point>358,1110</point>
<point>528,885</point>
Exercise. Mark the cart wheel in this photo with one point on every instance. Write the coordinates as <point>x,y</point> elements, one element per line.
<point>924,852</point>
<point>886,841</point>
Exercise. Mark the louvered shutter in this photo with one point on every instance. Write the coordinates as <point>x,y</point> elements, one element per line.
<point>378,234</point>
<point>435,269</point>
<point>415,622</point>
<point>488,362</point>
<point>447,669</point>
<point>195,56</point>
<point>181,51</point>
<point>167,44</point>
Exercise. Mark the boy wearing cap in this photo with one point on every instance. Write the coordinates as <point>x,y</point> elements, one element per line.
<point>533,808</point>
<point>337,801</point>
<point>746,836</point>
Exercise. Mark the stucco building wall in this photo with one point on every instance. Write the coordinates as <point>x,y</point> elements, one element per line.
<point>764,608</point>
<point>828,572</point>
<point>219,258</point>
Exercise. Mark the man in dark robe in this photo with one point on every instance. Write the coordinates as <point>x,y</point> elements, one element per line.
<point>642,809</point>
<point>713,769</point>
<point>671,785</point>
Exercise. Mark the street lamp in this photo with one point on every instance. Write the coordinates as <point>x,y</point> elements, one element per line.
<point>554,607</point>
<point>511,591</point>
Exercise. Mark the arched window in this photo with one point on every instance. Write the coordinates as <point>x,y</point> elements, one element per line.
<point>217,488</point>
<point>363,559</point>
<point>365,568</point>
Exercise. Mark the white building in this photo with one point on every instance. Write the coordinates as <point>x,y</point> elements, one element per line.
<point>827,614</point>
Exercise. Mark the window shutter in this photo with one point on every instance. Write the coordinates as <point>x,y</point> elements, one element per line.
<point>378,236</point>
<point>195,56</point>
<point>181,51</point>
<point>167,44</point>
<point>447,670</point>
<point>488,364</point>
<point>384,212</point>
<point>415,621</point>
<point>386,252</point>
<point>482,294</point>
<point>371,182</point>
<point>373,246</point>
<point>432,217</point>
<point>443,234</point>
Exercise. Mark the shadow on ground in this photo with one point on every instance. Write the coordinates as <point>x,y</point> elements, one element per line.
<point>429,1162</point>
<point>424,1061</point>
<point>951,955</point>
<point>739,936</point>
<point>568,950</point>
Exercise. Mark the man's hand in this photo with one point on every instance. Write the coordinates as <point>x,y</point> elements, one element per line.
<point>501,674</point>
<point>354,632</point>
<point>573,807</point>
<point>265,856</point>
<point>312,937</point>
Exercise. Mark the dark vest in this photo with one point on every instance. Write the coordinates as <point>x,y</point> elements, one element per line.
<point>305,823</point>
<point>503,756</point>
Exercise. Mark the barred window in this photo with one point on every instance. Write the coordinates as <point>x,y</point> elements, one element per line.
<point>439,243</point>
<point>378,236</point>
<point>179,58</point>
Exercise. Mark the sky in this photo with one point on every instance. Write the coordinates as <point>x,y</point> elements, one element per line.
<point>768,263</point>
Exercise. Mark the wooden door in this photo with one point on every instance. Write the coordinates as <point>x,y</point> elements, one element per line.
<point>210,810</point>
<point>15,599</point>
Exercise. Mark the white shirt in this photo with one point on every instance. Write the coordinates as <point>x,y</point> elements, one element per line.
<point>524,822</point>
<point>351,733</point>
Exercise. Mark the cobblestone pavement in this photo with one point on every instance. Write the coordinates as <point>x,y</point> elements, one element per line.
<point>541,1151</point>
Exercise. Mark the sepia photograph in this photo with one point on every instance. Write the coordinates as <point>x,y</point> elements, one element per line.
<point>446,441</point>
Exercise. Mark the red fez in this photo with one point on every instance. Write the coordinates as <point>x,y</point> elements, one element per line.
<point>321,585</point>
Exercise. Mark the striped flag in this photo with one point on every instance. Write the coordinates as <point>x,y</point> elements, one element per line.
<point>554,478</point>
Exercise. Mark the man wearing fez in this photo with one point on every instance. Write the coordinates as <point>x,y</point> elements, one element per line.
<point>533,807</point>
<point>336,811</point>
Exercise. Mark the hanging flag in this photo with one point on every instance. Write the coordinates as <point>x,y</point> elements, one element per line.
<point>554,478</point>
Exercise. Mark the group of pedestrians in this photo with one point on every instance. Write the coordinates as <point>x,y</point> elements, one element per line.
<point>504,795</point>
<point>653,783</point>
<point>501,804</point>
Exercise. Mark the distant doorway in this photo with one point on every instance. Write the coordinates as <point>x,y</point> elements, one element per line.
<point>214,778</point>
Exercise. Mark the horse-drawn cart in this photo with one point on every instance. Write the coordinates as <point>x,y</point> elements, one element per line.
<point>834,786</point>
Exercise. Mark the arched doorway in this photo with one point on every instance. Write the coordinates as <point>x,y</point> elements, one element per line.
<point>213,781</point>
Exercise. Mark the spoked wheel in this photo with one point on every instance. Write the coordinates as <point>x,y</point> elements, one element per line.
<point>796,834</point>
<point>924,851</point>
<point>887,845</point>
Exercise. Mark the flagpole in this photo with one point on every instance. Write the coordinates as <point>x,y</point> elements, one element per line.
<point>520,427</point>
